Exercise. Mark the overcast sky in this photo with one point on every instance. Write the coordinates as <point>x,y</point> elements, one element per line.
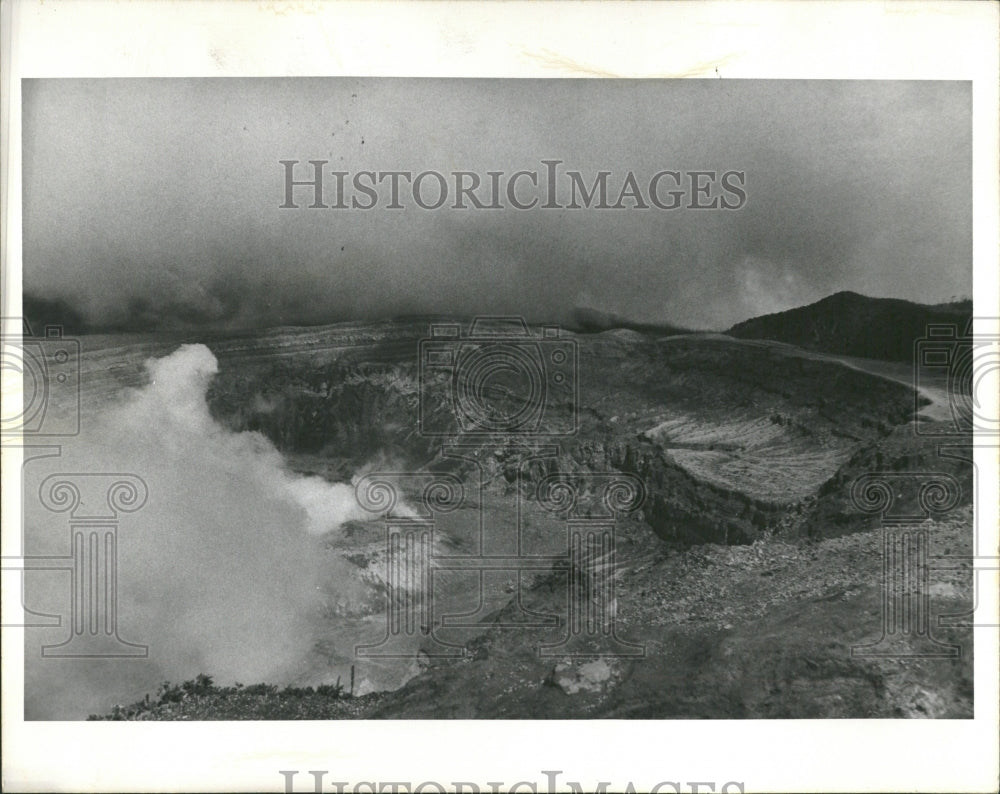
<point>156,202</point>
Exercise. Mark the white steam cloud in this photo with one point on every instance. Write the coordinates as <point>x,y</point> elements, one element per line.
<point>220,572</point>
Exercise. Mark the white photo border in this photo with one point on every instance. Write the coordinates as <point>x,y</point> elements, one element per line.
<point>747,40</point>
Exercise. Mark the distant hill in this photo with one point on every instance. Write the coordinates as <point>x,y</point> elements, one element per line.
<point>856,325</point>
<point>587,320</point>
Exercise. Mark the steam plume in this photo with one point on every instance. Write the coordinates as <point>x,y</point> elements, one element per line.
<point>219,572</point>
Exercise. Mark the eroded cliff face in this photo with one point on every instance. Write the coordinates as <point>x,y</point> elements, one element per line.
<point>731,439</point>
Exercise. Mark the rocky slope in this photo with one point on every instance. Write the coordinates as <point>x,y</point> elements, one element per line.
<point>754,631</point>
<point>747,573</point>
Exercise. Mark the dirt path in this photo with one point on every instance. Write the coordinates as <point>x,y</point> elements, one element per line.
<point>936,391</point>
<point>938,410</point>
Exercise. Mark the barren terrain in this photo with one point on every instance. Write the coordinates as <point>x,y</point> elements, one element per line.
<point>746,575</point>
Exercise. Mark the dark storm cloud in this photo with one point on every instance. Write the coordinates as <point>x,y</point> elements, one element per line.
<point>155,203</point>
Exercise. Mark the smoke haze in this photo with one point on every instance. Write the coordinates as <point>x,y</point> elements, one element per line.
<point>152,204</point>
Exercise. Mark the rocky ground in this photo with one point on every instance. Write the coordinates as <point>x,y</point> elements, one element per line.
<point>747,575</point>
<point>750,631</point>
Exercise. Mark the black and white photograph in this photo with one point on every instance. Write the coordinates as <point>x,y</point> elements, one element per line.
<point>536,400</point>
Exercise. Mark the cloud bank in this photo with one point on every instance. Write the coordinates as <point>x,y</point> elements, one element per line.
<point>156,203</point>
